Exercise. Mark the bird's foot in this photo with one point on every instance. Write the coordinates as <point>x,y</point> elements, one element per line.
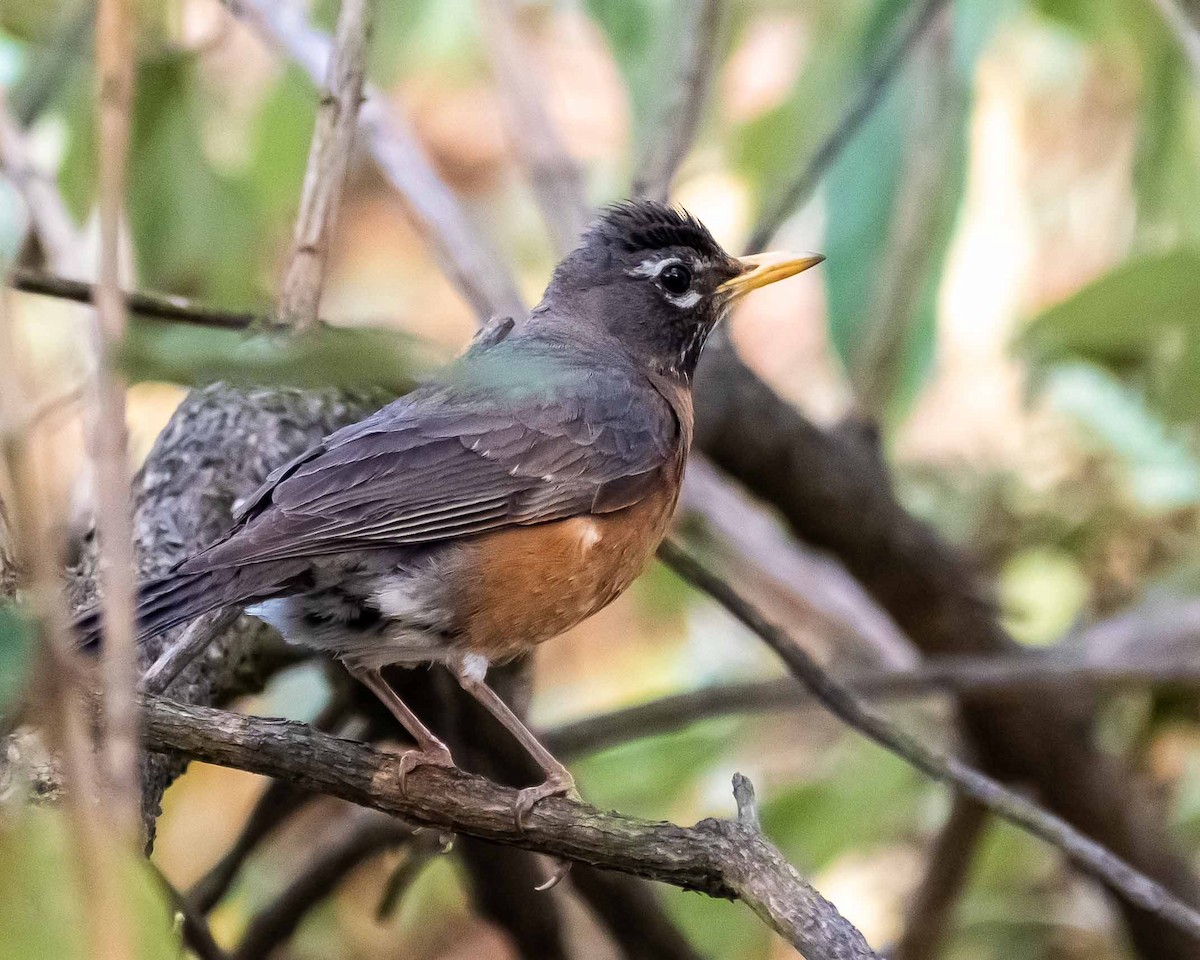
<point>561,869</point>
<point>429,757</point>
<point>560,784</point>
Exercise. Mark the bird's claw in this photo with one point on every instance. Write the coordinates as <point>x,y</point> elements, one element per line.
<point>409,760</point>
<point>561,869</point>
<point>555,785</point>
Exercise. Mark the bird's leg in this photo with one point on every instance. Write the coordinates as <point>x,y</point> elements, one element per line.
<point>430,750</point>
<point>470,671</point>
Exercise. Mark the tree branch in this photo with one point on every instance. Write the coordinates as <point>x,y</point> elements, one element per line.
<point>158,307</point>
<point>798,191</point>
<point>328,161</point>
<point>557,180</point>
<point>721,858</point>
<point>1022,675</point>
<point>683,103</point>
<point>1086,853</point>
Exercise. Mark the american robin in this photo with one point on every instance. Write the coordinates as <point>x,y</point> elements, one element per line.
<point>492,509</point>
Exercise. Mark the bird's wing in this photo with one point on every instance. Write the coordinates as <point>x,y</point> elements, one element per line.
<point>453,462</point>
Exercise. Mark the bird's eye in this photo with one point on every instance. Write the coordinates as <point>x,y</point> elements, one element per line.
<point>676,279</point>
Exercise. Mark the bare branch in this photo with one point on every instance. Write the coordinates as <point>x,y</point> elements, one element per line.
<point>328,161</point>
<point>684,100</point>
<point>721,858</point>
<point>801,188</point>
<point>947,865</point>
<point>177,309</point>
<point>109,439</point>
<point>367,837</point>
<point>1086,853</point>
<point>1022,675</point>
<point>195,639</point>
<point>557,180</point>
<point>482,279</point>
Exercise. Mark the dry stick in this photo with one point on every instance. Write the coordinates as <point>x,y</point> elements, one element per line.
<point>557,180</point>
<point>328,161</point>
<point>276,923</point>
<point>717,857</point>
<point>1020,675</point>
<point>799,190</point>
<point>194,640</point>
<point>1086,853</point>
<point>684,103</point>
<point>155,306</point>
<point>475,270</point>
<point>947,866</point>
<point>60,240</point>
<point>109,441</point>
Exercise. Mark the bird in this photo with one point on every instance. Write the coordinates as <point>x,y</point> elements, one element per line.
<point>509,498</point>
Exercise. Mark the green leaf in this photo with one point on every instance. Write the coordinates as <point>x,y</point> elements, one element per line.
<point>1141,321</point>
<point>893,198</point>
<point>44,893</point>
<point>351,358</point>
<point>17,647</point>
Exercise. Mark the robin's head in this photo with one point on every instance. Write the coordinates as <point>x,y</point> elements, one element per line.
<point>653,276</point>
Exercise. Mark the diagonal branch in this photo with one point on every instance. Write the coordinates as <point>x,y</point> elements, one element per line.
<point>798,190</point>
<point>1086,853</point>
<point>683,103</point>
<point>328,160</point>
<point>557,180</point>
<point>720,858</point>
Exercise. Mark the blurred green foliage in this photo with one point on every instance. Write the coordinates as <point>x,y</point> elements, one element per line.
<point>17,647</point>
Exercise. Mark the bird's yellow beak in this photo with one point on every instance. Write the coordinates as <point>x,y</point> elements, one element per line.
<point>764,268</point>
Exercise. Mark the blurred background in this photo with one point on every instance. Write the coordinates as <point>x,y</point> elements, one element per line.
<point>1012,293</point>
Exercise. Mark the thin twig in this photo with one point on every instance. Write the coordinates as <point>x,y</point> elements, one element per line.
<point>155,306</point>
<point>194,927</point>
<point>1090,856</point>
<point>109,440</point>
<point>1021,676</point>
<point>556,178</point>
<point>947,866</point>
<point>801,188</point>
<point>719,857</point>
<point>366,838</point>
<point>683,103</point>
<point>483,280</point>
<point>328,161</point>
<point>55,228</point>
<point>191,643</point>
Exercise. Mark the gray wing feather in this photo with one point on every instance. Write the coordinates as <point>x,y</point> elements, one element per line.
<point>440,464</point>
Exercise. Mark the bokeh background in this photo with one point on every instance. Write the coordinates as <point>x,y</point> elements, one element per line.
<point>1012,292</point>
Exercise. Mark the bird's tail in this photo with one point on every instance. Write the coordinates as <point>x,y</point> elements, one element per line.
<point>180,597</point>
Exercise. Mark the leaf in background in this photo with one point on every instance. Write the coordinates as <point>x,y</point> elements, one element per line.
<point>893,199</point>
<point>350,358</point>
<point>43,891</point>
<point>17,645</point>
<point>1141,321</point>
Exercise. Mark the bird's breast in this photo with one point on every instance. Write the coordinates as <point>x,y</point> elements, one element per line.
<point>524,585</point>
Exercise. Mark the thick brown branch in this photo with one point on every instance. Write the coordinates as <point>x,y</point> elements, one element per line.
<point>1086,853</point>
<point>835,493</point>
<point>720,858</point>
<point>328,160</point>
